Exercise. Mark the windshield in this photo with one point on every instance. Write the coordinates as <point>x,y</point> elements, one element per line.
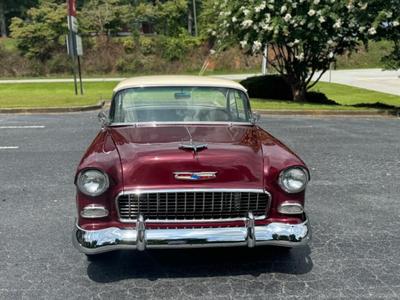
<point>180,104</point>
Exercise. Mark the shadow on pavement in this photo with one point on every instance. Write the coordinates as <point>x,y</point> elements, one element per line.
<point>154,264</point>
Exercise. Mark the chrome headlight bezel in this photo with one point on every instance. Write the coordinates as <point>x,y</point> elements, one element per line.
<point>80,183</point>
<point>286,172</point>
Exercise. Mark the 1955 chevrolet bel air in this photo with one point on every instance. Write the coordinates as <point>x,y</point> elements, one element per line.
<point>180,162</point>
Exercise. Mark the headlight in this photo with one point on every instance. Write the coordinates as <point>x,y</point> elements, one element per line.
<point>92,182</point>
<point>293,180</point>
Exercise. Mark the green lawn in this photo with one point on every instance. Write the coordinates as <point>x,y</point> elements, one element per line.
<point>27,95</point>
<point>344,95</point>
<point>348,95</point>
<point>370,58</point>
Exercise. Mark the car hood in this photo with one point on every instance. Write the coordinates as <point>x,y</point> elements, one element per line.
<point>151,155</point>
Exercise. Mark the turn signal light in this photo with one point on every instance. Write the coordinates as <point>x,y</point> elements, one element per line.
<point>93,211</point>
<point>290,208</point>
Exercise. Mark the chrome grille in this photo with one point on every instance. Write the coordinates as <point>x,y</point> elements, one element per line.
<point>192,205</point>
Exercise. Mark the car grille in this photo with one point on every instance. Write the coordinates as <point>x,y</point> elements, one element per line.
<point>192,205</point>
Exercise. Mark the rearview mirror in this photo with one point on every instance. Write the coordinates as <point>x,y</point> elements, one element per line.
<point>255,117</point>
<point>103,118</point>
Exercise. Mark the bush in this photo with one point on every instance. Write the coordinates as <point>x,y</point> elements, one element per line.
<point>276,87</point>
<point>176,48</point>
<point>319,98</point>
<point>268,87</point>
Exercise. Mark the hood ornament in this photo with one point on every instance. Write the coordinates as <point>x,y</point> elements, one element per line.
<point>195,175</point>
<point>192,146</point>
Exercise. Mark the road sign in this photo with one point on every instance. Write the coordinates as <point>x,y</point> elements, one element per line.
<point>73,24</point>
<point>79,48</point>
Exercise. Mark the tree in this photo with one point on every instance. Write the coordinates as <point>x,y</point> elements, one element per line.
<point>305,36</point>
<point>105,17</point>
<point>11,8</point>
<point>383,18</point>
<point>42,32</point>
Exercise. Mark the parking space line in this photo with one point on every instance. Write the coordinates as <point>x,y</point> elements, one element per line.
<point>23,127</point>
<point>8,147</point>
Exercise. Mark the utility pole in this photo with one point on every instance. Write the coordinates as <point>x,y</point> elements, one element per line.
<point>264,69</point>
<point>195,17</point>
<point>74,44</point>
<point>3,29</point>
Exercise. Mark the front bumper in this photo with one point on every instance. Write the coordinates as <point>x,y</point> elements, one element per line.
<point>140,238</point>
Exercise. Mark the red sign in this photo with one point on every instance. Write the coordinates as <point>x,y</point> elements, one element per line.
<point>71,7</point>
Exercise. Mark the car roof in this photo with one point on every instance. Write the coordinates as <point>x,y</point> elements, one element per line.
<point>177,80</point>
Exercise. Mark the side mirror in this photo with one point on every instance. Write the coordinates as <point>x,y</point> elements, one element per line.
<point>103,118</point>
<point>255,117</point>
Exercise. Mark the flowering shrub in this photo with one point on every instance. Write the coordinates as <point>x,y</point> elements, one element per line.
<point>305,36</point>
<point>384,23</point>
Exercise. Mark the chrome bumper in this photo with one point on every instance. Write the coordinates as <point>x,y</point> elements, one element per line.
<point>140,238</point>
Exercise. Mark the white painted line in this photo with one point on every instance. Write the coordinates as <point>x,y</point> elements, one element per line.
<point>23,127</point>
<point>8,147</point>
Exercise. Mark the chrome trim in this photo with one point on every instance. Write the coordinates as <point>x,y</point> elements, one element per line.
<point>94,207</point>
<point>287,169</point>
<point>181,175</point>
<point>251,234</point>
<point>113,238</point>
<point>141,234</point>
<point>290,203</point>
<point>155,123</point>
<point>156,191</point>
<point>195,147</point>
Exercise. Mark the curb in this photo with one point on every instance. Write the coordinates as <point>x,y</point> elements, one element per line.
<point>51,109</point>
<point>361,113</point>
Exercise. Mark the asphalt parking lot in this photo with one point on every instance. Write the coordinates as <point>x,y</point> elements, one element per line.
<point>353,202</point>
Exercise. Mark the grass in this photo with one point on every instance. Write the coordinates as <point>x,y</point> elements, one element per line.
<point>29,95</point>
<point>344,95</point>
<point>349,95</point>
<point>370,58</point>
<point>8,44</point>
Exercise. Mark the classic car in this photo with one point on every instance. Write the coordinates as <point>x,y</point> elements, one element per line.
<point>181,162</point>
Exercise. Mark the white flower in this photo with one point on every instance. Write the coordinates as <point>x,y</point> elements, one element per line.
<point>287,17</point>
<point>234,19</point>
<point>247,23</point>
<point>290,44</point>
<point>338,24</point>
<point>330,42</point>
<point>372,31</point>
<point>396,23</point>
<point>246,12</point>
<point>316,2</point>
<point>296,41</point>
<point>300,57</point>
<point>311,12</point>
<point>256,46</point>
<point>363,6</point>
<point>243,44</point>
<point>283,9</point>
<point>361,29</point>
<point>259,8</point>
<point>321,19</point>
<point>331,55</point>
<point>212,51</point>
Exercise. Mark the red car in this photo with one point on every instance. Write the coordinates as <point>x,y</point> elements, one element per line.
<point>180,163</point>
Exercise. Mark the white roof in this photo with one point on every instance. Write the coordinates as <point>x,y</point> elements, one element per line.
<point>177,80</point>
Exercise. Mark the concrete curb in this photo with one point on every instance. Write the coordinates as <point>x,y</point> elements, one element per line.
<point>361,113</point>
<point>40,110</point>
